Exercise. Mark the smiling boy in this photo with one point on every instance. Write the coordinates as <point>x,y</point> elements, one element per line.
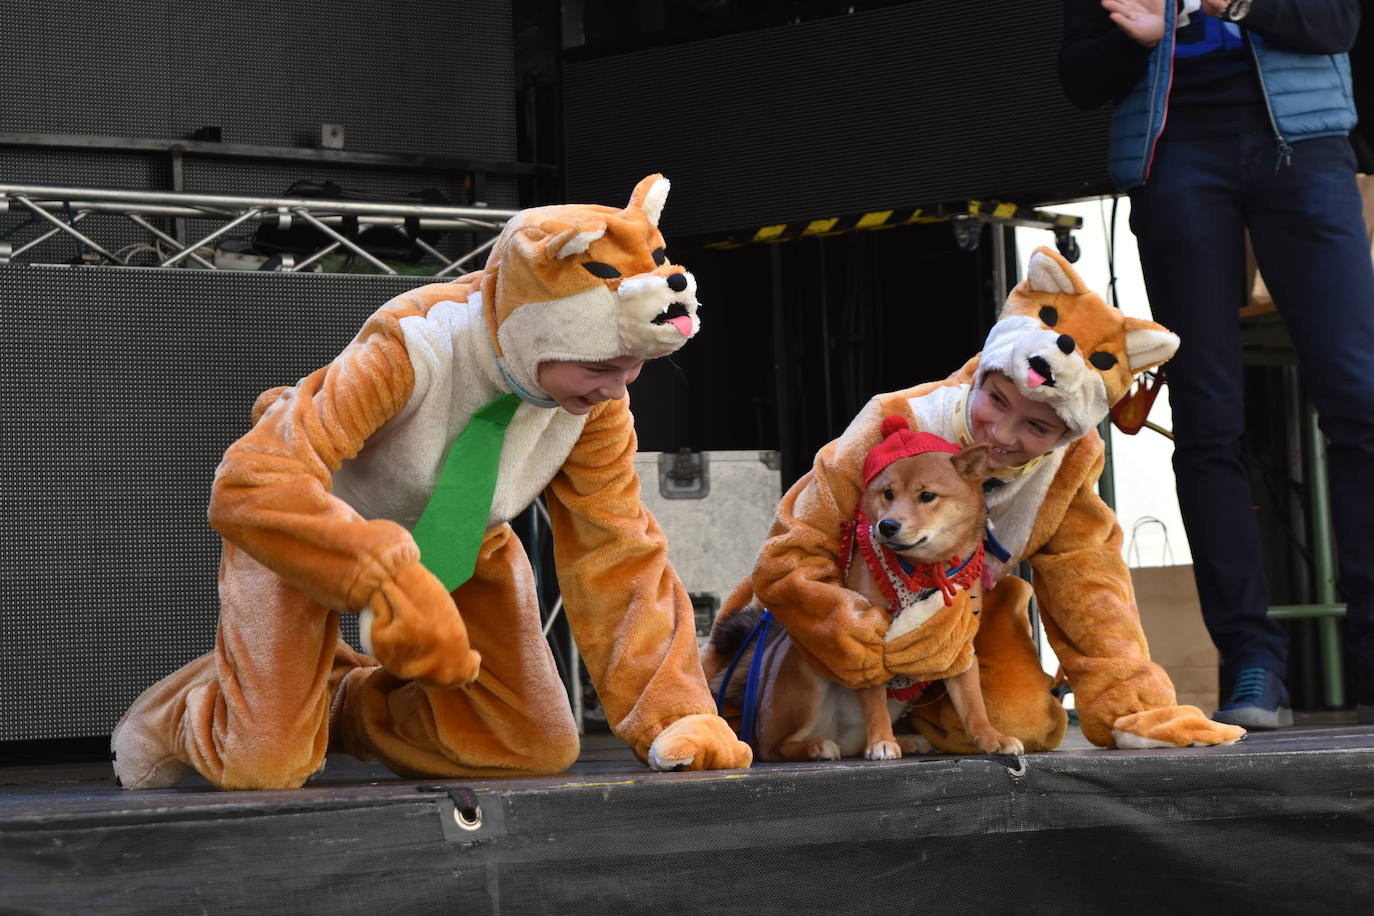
<point>580,386</point>
<point>1016,429</point>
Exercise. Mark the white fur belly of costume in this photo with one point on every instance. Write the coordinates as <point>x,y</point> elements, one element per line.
<point>915,613</point>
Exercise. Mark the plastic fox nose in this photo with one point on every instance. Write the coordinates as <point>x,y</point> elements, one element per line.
<point>1065,343</point>
<point>888,527</point>
<point>677,282</point>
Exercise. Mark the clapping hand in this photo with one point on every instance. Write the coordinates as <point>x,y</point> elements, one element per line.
<point>1142,20</point>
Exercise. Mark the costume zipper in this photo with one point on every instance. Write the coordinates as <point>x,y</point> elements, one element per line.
<point>1283,154</point>
<point>1154,141</point>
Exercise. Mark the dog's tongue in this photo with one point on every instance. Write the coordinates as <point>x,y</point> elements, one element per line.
<point>683,323</point>
<point>1033,379</point>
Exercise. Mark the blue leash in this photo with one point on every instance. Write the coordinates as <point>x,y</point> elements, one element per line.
<point>994,546</point>
<point>751,685</point>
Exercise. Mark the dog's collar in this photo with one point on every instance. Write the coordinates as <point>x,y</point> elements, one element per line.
<point>934,575</point>
<point>938,570</point>
<point>904,689</point>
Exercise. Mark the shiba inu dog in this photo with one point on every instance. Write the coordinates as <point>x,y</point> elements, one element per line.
<point>915,547</point>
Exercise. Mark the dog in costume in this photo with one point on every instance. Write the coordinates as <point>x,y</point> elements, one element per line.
<point>916,546</point>
<point>383,484</point>
<point>1064,349</point>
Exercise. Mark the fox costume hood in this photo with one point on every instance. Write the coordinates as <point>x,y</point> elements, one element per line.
<point>1063,346</point>
<point>583,283</point>
<point>1081,374</point>
<point>316,502</point>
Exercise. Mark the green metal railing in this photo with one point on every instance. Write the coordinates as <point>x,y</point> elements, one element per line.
<point>1326,608</point>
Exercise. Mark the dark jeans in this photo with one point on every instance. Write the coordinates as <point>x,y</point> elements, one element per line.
<point>1308,233</point>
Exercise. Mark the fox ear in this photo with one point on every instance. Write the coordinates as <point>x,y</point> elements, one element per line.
<point>972,462</point>
<point>574,241</point>
<point>1045,275</point>
<point>1049,272</point>
<point>650,195</point>
<point>1148,344</point>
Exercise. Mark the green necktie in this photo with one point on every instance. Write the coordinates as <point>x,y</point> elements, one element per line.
<point>451,528</point>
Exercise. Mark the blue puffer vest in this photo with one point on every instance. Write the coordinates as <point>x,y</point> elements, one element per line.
<point>1309,95</point>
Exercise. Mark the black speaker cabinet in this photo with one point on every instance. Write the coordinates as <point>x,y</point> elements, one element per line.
<point>122,388</point>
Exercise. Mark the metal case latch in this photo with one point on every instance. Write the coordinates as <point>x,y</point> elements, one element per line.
<point>684,474</point>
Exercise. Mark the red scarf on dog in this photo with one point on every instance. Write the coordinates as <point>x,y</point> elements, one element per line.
<point>922,576</point>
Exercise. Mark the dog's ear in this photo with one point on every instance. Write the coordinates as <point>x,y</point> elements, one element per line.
<point>972,462</point>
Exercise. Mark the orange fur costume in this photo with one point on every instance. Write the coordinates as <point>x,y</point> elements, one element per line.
<point>1062,345</point>
<point>316,501</point>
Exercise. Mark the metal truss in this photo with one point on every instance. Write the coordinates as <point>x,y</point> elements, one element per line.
<point>56,211</point>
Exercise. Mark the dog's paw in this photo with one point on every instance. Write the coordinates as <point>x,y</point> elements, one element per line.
<point>883,750</point>
<point>822,749</point>
<point>996,743</point>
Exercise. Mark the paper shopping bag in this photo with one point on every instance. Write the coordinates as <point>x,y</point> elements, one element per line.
<point>1172,619</point>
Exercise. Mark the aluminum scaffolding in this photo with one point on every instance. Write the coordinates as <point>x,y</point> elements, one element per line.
<point>54,211</point>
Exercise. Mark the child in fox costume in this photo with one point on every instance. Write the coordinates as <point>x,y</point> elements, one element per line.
<point>1055,344</point>
<point>318,501</point>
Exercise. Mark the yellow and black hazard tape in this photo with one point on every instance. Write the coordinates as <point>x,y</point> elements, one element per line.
<point>989,211</point>
<point>1002,212</point>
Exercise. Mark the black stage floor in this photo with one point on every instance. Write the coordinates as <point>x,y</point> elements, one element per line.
<point>1281,823</point>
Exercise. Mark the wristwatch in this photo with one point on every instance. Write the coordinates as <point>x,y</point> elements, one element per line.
<point>1236,10</point>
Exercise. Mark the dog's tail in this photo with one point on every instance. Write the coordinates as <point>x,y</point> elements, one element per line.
<point>728,640</point>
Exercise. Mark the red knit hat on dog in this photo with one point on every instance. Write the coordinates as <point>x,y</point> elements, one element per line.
<point>899,441</point>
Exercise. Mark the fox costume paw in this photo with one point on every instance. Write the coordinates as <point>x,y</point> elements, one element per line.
<point>698,742</point>
<point>414,629</point>
<point>140,760</point>
<point>941,647</point>
<point>1172,726</point>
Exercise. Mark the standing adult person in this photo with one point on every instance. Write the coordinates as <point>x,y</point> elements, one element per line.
<point>1233,116</point>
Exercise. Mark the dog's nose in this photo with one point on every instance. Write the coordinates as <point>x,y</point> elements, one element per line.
<point>888,527</point>
<point>677,282</point>
<point>1065,344</point>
